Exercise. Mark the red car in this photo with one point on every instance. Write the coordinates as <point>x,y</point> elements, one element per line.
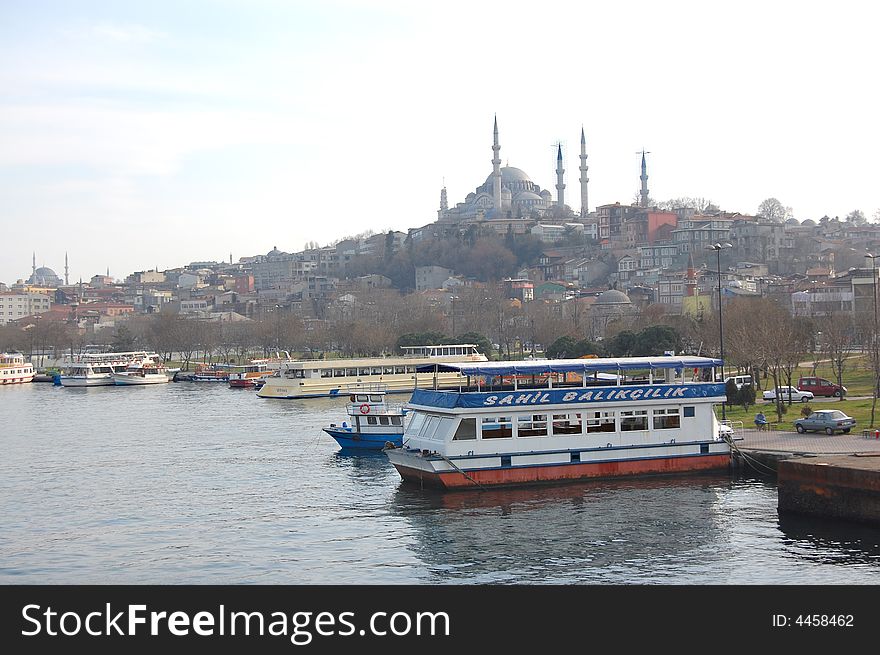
<point>821,387</point>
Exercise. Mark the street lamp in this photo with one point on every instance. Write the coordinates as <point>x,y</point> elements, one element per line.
<point>718,247</point>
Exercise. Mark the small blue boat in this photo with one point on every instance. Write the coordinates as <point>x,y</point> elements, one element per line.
<point>371,423</point>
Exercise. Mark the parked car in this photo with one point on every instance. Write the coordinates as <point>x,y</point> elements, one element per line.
<point>740,380</point>
<point>788,393</point>
<point>821,387</point>
<point>827,420</point>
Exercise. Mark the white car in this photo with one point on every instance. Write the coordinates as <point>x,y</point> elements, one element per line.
<point>789,393</point>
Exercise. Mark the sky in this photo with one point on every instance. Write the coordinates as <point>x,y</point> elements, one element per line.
<point>147,135</point>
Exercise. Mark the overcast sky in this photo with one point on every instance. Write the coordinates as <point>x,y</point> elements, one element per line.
<point>136,135</point>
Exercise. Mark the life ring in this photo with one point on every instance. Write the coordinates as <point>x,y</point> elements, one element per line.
<point>365,409</point>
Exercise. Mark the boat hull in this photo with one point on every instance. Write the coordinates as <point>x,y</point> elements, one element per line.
<point>414,467</point>
<point>86,382</point>
<point>351,440</point>
<point>136,380</point>
<point>23,378</point>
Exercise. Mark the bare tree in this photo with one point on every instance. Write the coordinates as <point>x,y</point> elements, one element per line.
<point>838,336</point>
<point>773,210</point>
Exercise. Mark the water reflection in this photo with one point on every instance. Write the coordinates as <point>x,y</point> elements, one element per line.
<point>830,541</point>
<point>594,532</point>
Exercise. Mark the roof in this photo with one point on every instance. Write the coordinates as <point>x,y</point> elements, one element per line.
<point>536,367</point>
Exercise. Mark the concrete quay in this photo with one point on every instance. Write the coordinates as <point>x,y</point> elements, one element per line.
<point>818,475</point>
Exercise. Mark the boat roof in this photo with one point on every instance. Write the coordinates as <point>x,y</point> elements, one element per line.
<point>539,366</point>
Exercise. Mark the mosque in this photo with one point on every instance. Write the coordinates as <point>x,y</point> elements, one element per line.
<point>509,193</point>
<point>46,277</point>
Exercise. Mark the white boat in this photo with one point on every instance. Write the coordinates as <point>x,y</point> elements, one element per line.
<point>560,420</point>
<point>96,370</point>
<point>14,369</point>
<point>332,377</point>
<point>146,372</point>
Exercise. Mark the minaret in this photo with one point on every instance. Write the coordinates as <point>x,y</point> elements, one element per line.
<point>66,270</point>
<point>585,206</point>
<point>444,205</point>
<point>496,170</point>
<point>690,281</point>
<point>34,267</point>
<point>560,186</point>
<point>644,178</point>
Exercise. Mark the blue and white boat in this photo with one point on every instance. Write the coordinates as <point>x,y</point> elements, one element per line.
<point>516,423</point>
<point>371,424</point>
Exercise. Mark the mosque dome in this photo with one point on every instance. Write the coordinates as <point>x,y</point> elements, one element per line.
<point>45,277</point>
<point>510,174</point>
<point>612,297</point>
<point>792,221</point>
<point>809,222</point>
<point>528,195</point>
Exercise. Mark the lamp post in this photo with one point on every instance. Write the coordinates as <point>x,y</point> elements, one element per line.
<point>874,289</point>
<point>718,247</point>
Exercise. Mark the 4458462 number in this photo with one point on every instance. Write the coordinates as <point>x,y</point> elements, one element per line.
<point>824,620</point>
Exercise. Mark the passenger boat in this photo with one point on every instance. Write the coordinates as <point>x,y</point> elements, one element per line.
<point>590,418</point>
<point>14,369</point>
<point>141,373</point>
<point>210,373</point>
<point>96,370</point>
<point>373,424</point>
<point>331,377</point>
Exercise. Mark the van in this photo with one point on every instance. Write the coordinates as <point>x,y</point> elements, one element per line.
<point>821,387</point>
<point>740,380</point>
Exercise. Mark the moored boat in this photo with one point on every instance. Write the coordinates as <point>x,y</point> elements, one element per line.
<point>372,424</point>
<point>14,369</point>
<point>590,418</point>
<point>142,373</point>
<point>331,377</point>
<point>251,375</point>
<point>97,370</point>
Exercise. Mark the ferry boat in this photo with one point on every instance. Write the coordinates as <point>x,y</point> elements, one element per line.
<point>140,373</point>
<point>589,418</point>
<point>97,369</point>
<point>372,424</point>
<point>14,369</point>
<point>331,377</point>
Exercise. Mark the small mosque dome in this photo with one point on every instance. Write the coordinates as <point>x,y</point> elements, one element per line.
<point>612,297</point>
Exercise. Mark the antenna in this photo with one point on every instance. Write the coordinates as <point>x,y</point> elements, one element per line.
<point>643,152</point>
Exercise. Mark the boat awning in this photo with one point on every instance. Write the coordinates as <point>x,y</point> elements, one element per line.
<point>544,366</point>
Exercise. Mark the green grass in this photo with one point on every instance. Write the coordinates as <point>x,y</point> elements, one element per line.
<point>860,410</point>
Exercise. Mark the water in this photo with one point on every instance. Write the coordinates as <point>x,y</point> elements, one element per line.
<point>199,483</point>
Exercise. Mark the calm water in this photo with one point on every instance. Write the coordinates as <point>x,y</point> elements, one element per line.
<point>199,483</point>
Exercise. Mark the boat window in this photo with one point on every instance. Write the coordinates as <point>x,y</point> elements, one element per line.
<point>466,430</point>
<point>351,372</point>
<point>431,426</point>
<point>338,372</point>
<point>689,412</point>
<point>531,425</point>
<point>375,399</point>
<point>395,420</point>
<point>666,419</point>
<point>363,371</point>
<point>567,424</point>
<point>362,398</point>
<point>326,373</point>
<point>600,422</point>
<point>410,369</point>
<point>636,419</point>
<point>497,427</point>
<point>383,420</point>
<point>388,370</point>
<point>376,370</point>
<point>352,398</point>
<point>415,425</point>
<point>299,373</point>
<point>399,370</point>
<point>371,420</point>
